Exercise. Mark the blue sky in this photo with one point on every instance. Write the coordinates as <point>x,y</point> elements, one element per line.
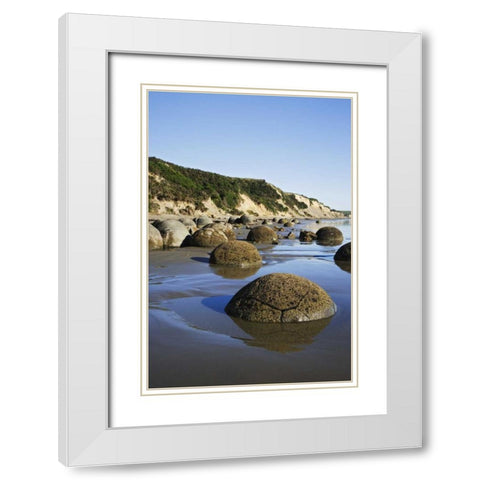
<point>299,144</point>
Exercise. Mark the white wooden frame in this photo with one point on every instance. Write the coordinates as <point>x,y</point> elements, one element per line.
<point>84,436</point>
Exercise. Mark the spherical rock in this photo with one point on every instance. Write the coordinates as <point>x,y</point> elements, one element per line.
<point>155,240</point>
<point>235,253</point>
<point>203,220</point>
<point>246,219</point>
<point>207,237</point>
<point>281,298</point>
<point>329,236</point>
<point>226,228</point>
<point>189,223</point>
<point>344,253</point>
<point>173,232</point>
<point>290,236</point>
<point>307,236</point>
<point>262,234</point>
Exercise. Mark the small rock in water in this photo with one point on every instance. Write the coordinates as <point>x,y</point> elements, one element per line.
<point>307,236</point>
<point>281,298</point>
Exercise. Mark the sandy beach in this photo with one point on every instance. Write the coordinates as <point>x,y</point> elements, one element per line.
<point>193,342</point>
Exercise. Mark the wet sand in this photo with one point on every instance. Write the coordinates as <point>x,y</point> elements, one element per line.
<point>193,342</point>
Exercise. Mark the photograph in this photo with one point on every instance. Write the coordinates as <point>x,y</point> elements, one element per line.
<point>251,214</point>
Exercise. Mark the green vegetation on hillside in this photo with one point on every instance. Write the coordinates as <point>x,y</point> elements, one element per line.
<point>181,184</point>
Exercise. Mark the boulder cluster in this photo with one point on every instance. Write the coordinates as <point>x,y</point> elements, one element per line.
<point>277,298</point>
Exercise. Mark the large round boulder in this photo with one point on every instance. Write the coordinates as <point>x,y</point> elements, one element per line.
<point>329,236</point>
<point>344,253</point>
<point>281,298</point>
<point>207,237</point>
<point>189,223</point>
<point>235,253</point>
<point>343,257</point>
<point>173,232</point>
<point>226,228</point>
<point>262,234</point>
<point>155,240</point>
<point>203,220</point>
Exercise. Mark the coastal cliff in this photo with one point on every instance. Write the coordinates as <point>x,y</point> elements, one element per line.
<point>186,191</point>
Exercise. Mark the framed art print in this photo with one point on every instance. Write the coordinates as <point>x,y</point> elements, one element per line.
<point>232,270</point>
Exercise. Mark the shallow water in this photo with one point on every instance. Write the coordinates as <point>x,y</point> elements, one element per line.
<point>193,342</point>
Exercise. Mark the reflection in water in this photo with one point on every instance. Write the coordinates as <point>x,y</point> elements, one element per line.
<point>282,337</point>
<point>344,265</point>
<point>229,271</point>
<point>329,242</point>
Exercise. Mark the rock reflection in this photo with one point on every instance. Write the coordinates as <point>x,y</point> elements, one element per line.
<point>281,337</point>
<point>228,271</point>
<point>344,265</point>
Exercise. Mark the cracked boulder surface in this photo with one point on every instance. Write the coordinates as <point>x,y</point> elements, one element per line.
<point>226,228</point>
<point>207,237</point>
<point>281,298</point>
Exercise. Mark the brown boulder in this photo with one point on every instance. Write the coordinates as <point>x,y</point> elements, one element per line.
<point>343,257</point>
<point>226,228</point>
<point>235,253</point>
<point>207,237</point>
<point>329,236</point>
<point>344,253</point>
<point>281,298</point>
<point>306,236</point>
<point>262,234</point>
